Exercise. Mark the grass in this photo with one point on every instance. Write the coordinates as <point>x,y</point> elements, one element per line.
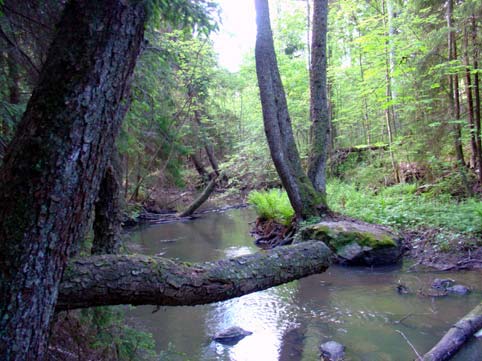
<point>272,204</point>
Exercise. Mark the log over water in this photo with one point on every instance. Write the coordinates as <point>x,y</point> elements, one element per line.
<point>143,280</point>
<point>458,334</point>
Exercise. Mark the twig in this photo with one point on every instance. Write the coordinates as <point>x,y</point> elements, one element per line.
<point>410,344</point>
<point>404,318</point>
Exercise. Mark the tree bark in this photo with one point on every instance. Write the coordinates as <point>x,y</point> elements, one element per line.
<point>458,334</point>
<point>470,102</point>
<point>320,120</point>
<point>305,200</point>
<point>108,217</point>
<point>144,280</point>
<point>454,99</point>
<point>51,174</point>
<point>198,202</point>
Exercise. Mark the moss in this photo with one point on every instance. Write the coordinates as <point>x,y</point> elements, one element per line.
<point>337,237</point>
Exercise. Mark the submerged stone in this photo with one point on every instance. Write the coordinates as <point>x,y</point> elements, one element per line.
<point>231,336</point>
<point>460,290</point>
<point>332,351</point>
<point>356,242</point>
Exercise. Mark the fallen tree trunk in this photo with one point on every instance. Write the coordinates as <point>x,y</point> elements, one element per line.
<point>458,334</point>
<point>143,280</point>
<point>198,202</point>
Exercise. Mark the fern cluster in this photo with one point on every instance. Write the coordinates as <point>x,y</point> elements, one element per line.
<point>272,204</point>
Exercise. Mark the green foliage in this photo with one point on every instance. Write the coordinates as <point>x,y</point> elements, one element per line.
<point>200,14</point>
<point>272,204</point>
<point>400,207</point>
<point>111,332</point>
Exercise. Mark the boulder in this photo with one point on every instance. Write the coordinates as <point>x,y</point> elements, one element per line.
<point>332,351</point>
<point>356,243</point>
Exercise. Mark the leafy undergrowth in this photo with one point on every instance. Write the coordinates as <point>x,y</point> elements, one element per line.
<point>97,334</point>
<point>401,207</point>
<point>273,205</point>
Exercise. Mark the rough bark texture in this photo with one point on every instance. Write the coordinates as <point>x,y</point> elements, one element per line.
<point>141,280</point>
<point>277,123</point>
<point>108,217</point>
<point>53,168</point>
<point>320,120</point>
<point>458,334</point>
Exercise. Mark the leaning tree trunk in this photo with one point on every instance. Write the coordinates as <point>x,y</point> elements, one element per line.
<point>203,197</point>
<point>54,165</point>
<point>108,217</point>
<point>306,201</point>
<point>145,280</point>
<point>320,120</point>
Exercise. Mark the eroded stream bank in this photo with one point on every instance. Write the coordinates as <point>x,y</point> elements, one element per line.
<point>358,307</point>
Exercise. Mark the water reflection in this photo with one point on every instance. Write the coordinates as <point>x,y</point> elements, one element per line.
<point>358,307</point>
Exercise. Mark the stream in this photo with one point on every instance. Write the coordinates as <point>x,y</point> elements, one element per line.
<point>358,307</point>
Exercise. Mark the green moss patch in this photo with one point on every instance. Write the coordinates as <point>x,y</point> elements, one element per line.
<point>338,234</point>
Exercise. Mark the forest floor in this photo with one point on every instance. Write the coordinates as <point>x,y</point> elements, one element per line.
<point>459,253</point>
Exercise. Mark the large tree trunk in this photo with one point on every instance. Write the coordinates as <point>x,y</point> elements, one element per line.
<point>305,200</point>
<point>458,334</point>
<point>108,217</point>
<point>51,174</point>
<point>144,280</point>
<point>320,120</point>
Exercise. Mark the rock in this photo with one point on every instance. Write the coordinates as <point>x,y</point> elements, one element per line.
<point>442,283</point>
<point>448,286</point>
<point>355,242</point>
<point>458,290</point>
<point>332,351</point>
<point>231,336</point>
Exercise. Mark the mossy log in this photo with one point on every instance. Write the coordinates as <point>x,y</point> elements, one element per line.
<point>143,280</point>
<point>458,334</point>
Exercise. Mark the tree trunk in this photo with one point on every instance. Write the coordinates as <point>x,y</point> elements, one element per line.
<point>458,334</point>
<point>146,280</point>
<point>198,164</point>
<point>305,200</point>
<point>476,54</point>
<point>320,120</point>
<point>470,102</point>
<point>53,168</point>
<point>455,100</point>
<point>107,219</point>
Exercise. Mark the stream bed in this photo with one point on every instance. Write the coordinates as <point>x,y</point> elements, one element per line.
<point>358,307</point>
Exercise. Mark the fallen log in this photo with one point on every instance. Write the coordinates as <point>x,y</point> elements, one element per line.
<point>458,334</point>
<point>143,280</point>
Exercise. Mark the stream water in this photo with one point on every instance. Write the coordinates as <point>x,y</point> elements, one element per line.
<point>358,307</point>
